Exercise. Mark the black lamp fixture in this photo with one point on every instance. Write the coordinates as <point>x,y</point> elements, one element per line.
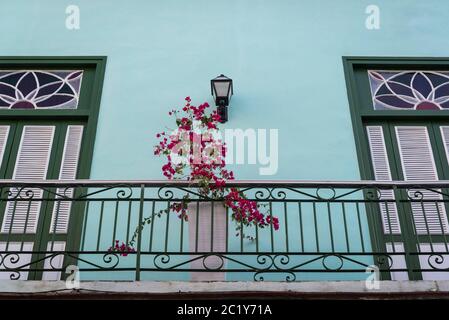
<point>221,88</point>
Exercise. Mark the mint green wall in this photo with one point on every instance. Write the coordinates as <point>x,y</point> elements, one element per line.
<point>285,57</point>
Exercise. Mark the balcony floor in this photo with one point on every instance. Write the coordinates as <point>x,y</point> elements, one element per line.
<point>222,290</point>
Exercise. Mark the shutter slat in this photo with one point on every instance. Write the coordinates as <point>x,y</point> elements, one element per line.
<point>69,166</point>
<point>382,172</point>
<point>4,133</point>
<point>31,163</point>
<point>418,164</point>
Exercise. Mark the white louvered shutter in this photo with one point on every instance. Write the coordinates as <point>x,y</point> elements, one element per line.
<point>4,133</point>
<point>69,166</point>
<point>31,163</point>
<point>382,172</point>
<point>418,164</point>
<point>444,130</point>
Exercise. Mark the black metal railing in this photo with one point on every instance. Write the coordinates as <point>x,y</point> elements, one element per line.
<point>328,230</point>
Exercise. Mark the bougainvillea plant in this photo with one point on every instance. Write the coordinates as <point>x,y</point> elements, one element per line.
<point>195,152</point>
<point>123,248</point>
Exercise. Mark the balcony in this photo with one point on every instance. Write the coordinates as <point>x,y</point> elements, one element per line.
<point>328,231</point>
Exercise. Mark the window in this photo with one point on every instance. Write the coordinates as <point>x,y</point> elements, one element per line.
<point>48,114</point>
<point>409,90</point>
<point>40,89</point>
<point>400,116</point>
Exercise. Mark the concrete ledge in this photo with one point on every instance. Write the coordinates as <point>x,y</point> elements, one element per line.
<point>211,290</point>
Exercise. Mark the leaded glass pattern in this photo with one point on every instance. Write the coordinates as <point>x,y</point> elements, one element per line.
<point>409,90</point>
<point>40,89</point>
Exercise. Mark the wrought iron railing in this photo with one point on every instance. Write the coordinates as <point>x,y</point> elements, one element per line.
<point>328,230</point>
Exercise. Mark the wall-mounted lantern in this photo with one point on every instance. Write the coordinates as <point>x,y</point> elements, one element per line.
<point>222,91</point>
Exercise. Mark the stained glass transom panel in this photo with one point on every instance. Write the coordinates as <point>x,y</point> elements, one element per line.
<point>409,90</point>
<point>40,89</point>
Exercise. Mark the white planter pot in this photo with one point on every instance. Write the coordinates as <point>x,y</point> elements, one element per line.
<point>200,239</point>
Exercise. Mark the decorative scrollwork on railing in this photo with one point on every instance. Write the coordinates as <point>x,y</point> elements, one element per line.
<point>258,263</point>
<point>281,193</point>
<point>278,194</point>
<point>200,261</point>
<point>60,193</point>
<point>10,262</point>
<point>166,195</point>
<point>263,259</point>
<point>345,193</point>
<point>419,190</point>
<point>67,193</point>
<point>373,193</point>
<point>384,261</point>
<point>262,194</point>
<point>321,194</point>
<point>161,258</point>
<point>122,192</point>
<point>22,193</point>
<point>51,260</point>
<point>281,261</point>
<point>204,262</point>
<point>436,261</point>
<point>327,265</point>
<point>326,198</point>
<point>11,258</point>
<point>288,276</point>
<point>213,262</point>
<point>415,195</point>
<point>169,193</point>
<point>426,195</point>
<point>27,193</point>
<point>108,258</point>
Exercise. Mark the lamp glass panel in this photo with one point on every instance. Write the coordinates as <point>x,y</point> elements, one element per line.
<point>221,88</point>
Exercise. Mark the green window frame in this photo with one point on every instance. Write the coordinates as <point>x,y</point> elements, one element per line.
<point>86,114</point>
<point>363,113</point>
<point>89,102</point>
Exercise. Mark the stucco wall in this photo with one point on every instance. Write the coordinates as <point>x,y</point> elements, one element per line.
<point>284,56</point>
